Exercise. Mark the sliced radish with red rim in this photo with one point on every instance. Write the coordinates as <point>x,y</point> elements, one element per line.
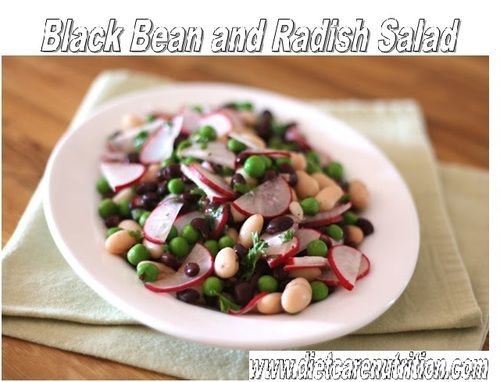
<point>218,216</point>
<point>190,121</point>
<point>306,262</point>
<point>122,175</point>
<point>124,139</point>
<point>186,218</point>
<point>179,280</point>
<point>249,306</point>
<point>364,268</point>
<point>328,277</point>
<point>160,145</point>
<point>293,134</point>
<point>214,181</point>
<point>219,120</point>
<point>269,199</point>
<point>278,252</point>
<point>212,195</point>
<point>114,156</point>
<point>214,152</point>
<point>345,262</point>
<point>327,217</point>
<point>259,151</point>
<point>160,221</point>
<point>244,138</point>
<point>305,236</point>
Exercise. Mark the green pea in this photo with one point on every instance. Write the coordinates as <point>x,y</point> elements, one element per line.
<point>179,247</point>
<point>107,208</point>
<point>175,186</point>
<point>168,162</point>
<point>317,248</point>
<point>242,106</point>
<point>173,233</point>
<point>319,290</point>
<point>208,132</point>
<point>275,143</point>
<point>103,186</point>
<point>143,218</point>
<point>267,284</point>
<point>147,272</point>
<point>112,230</point>
<point>124,208</point>
<point>284,160</point>
<point>212,286</point>
<point>183,144</point>
<point>212,246</point>
<point>137,253</point>
<point>312,167</point>
<point>190,233</point>
<point>268,161</point>
<point>226,241</point>
<point>235,146</point>
<point>310,206</point>
<point>243,188</point>
<point>345,198</point>
<point>350,217</point>
<point>255,166</point>
<point>278,129</point>
<point>335,170</point>
<point>335,232</point>
<point>137,213</point>
<point>150,118</point>
<point>312,156</point>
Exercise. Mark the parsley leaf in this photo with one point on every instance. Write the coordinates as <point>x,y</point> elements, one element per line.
<point>287,235</point>
<point>225,304</point>
<point>253,255</point>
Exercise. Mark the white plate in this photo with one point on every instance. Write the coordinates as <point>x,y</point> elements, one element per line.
<point>71,203</point>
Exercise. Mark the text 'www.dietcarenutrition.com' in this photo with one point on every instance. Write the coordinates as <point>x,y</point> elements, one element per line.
<point>320,365</point>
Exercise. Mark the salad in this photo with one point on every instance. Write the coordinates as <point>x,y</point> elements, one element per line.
<point>231,208</point>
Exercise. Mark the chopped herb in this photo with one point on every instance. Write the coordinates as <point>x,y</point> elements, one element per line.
<point>135,234</point>
<point>253,255</point>
<point>150,118</point>
<point>225,304</point>
<point>241,106</point>
<point>197,108</point>
<point>139,140</point>
<point>243,188</point>
<point>287,235</point>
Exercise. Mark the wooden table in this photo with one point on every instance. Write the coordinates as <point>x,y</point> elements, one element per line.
<point>41,94</point>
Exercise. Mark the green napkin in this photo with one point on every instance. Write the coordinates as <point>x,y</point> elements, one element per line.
<point>53,306</point>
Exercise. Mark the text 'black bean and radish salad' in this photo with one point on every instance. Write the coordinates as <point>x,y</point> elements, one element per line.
<point>232,209</point>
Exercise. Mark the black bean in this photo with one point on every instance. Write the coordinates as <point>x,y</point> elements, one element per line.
<point>188,295</point>
<point>133,157</point>
<point>240,250</point>
<point>163,188</point>
<point>264,124</point>
<point>112,221</point>
<point>326,239</point>
<point>188,198</point>
<point>365,225</point>
<point>237,179</point>
<point>243,293</point>
<point>169,260</point>
<point>201,225</point>
<point>279,224</point>
<point>191,269</point>
<point>270,175</point>
<point>282,284</point>
<point>174,170</point>
<point>144,187</point>
<point>163,174</point>
<point>279,273</point>
<point>150,200</point>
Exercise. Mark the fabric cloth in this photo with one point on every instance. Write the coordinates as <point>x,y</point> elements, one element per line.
<point>444,307</point>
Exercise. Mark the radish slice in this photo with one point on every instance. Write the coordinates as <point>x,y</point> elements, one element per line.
<point>293,134</point>
<point>269,199</point>
<point>327,217</point>
<point>245,139</point>
<point>114,156</point>
<point>122,175</point>
<point>215,152</point>
<point>207,166</point>
<point>212,180</point>
<point>190,121</point>
<point>306,262</point>
<point>249,306</point>
<point>159,223</point>
<point>278,252</point>
<point>345,262</point>
<point>182,220</point>
<point>364,268</point>
<point>305,236</point>
<point>161,144</point>
<point>124,139</point>
<point>220,121</point>
<point>259,151</point>
<point>164,270</point>
<point>329,277</point>
<point>218,217</point>
<point>212,195</point>
<point>179,280</point>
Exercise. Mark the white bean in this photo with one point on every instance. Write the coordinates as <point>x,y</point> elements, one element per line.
<point>131,120</point>
<point>226,263</point>
<point>119,242</point>
<point>306,185</point>
<point>130,225</point>
<point>270,304</point>
<point>354,234</point>
<point>328,197</point>
<point>359,194</point>
<point>296,297</point>
<point>233,234</point>
<point>298,161</point>
<point>324,180</point>
<point>127,194</point>
<point>151,173</point>
<point>296,210</point>
<point>236,215</point>
<point>252,225</point>
<point>155,250</point>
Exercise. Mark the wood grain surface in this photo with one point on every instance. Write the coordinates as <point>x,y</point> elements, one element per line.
<point>41,94</point>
